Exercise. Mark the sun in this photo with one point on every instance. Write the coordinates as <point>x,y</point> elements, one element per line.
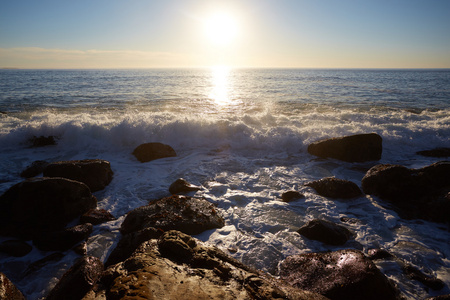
<point>221,28</point>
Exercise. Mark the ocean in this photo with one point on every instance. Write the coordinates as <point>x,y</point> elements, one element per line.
<point>242,135</point>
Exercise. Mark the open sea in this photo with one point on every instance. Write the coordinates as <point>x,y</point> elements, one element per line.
<point>242,135</point>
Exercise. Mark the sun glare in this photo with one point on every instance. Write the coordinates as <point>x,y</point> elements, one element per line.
<point>221,28</point>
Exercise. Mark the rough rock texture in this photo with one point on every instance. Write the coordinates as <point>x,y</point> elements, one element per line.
<point>78,280</point>
<point>415,193</point>
<point>8,290</point>
<point>437,152</point>
<point>291,196</point>
<point>96,216</point>
<point>187,214</point>
<point>181,186</point>
<point>95,173</point>
<point>178,266</point>
<point>63,240</point>
<point>151,151</point>
<point>335,188</point>
<point>344,274</point>
<point>17,248</point>
<point>354,148</point>
<point>326,232</point>
<point>33,170</point>
<point>43,204</point>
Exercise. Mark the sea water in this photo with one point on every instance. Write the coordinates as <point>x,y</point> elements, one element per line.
<point>242,135</point>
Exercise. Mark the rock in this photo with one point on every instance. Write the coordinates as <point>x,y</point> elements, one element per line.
<point>187,214</point>
<point>178,266</point>
<point>151,151</point>
<point>354,148</point>
<point>181,186</point>
<point>8,290</point>
<point>78,280</point>
<point>63,240</point>
<point>39,264</point>
<point>17,248</point>
<point>375,254</point>
<point>33,170</point>
<point>42,204</point>
<point>43,141</point>
<point>335,188</point>
<point>344,274</point>
<point>415,193</point>
<point>429,281</point>
<point>95,173</point>
<point>437,152</point>
<point>440,297</point>
<point>326,232</point>
<point>96,216</point>
<point>291,196</point>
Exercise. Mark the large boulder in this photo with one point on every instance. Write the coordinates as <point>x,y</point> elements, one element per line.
<point>187,214</point>
<point>95,173</point>
<point>8,290</point>
<point>43,204</point>
<point>344,274</point>
<point>335,188</point>
<point>151,151</point>
<point>326,232</point>
<point>354,148</point>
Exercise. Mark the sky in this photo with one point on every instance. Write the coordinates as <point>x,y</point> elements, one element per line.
<point>246,33</point>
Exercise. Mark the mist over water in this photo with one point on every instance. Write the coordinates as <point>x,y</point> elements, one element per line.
<point>242,135</point>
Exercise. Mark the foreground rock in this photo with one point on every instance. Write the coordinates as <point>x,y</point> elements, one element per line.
<point>344,274</point>
<point>187,214</point>
<point>354,148</point>
<point>325,232</point>
<point>151,151</point>
<point>181,186</point>
<point>43,204</point>
<point>95,173</point>
<point>8,290</point>
<point>335,188</point>
<point>415,193</point>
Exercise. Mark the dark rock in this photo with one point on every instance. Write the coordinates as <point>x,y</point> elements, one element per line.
<point>39,264</point>
<point>437,152</point>
<point>78,280</point>
<point>151,151</point>
<point>429,281</point>
<point>187,214</point>
<point>440,297</point>
<point>335,188</point>
<point>291,196</point>
<point>80,249</point>
<point>42,141</point>
<point>95,173</point>
<point>96,216</point>
<point>34,169</point>
<point>8,291</point>
<point>354,148</point>
<point>181,186</point>
<point>375,254</point>
<point>17,248</point>
<point>344,274</point>
<point>351,220</point>
<point>325,232</point>
<point>63,240</point>
<point>43,204</point>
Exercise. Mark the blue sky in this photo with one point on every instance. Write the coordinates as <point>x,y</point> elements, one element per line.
<point>295,33</point>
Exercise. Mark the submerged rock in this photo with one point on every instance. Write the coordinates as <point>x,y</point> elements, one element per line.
<point>151,151</point>
<point>181,186</point>
<point>354,148</point>
<point>33,170</point>
<point>344,274</point>
<point>429,281</point>
<point>8,290</point>
<point>326,232</point>
<point>437,152</point>
<point>291,196</point>
<point>42,141</point>
<point>95,173</point>
<point>335,188</point>
<point>187,214</point>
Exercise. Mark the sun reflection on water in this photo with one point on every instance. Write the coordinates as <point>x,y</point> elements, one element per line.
<point>220,81</point>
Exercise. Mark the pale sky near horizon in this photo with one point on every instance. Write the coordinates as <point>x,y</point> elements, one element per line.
<point>266,33</point>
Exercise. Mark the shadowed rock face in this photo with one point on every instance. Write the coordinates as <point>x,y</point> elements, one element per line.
<point>151,151</point>
<point>325,232</point>
<point>344,274</point>
<point>354,148</point>
<point>335,188</point>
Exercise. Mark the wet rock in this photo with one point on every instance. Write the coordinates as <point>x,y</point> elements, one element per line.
<point>39,264</point>
<point>437,152</point>
<point>95,173</point>
<point>181,186</point>
<point>96,216</point>
<point>78,280</point>
<point>326,232</point>
<point>187,214</point>
<point>344,274</point>
<point>335,188</point>
<point>429,281</point>
<point>440,297</point>
<point>354,148</point>
<point>63,240</point>
<point>291,196</point>
<point>8,290</point>
<point>151,151</point>
<point>17,248</point>
<point>33,170</point>
<point>42,141</point>
<point>43,204</point>
<point>375,254</point>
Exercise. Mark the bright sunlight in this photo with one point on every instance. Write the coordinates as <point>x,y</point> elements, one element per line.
<point>221,28</point>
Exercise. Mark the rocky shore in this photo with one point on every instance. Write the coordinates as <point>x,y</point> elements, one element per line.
<point>157,258</point>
